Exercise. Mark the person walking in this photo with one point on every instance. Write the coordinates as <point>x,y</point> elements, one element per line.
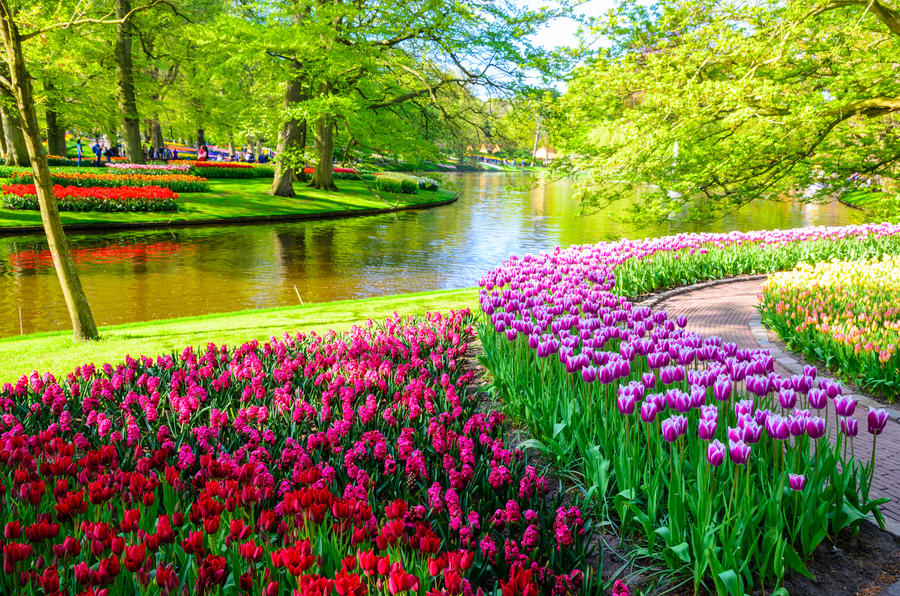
<point>107,152</point>
<point>175,154</point>
<point>79,151</point>
<point>98,150</point>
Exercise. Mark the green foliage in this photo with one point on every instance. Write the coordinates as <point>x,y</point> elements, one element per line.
<point>761,99</point>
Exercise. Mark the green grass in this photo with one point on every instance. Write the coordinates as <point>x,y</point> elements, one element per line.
<point>57,353</point>
<point>242,197</point>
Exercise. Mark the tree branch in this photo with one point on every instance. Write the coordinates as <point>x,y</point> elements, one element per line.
<point>888,16</point>
<point>77,22</point>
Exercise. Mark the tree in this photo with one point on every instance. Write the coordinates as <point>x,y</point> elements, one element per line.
<point>717,103</point>
<point>18,85</point>
<point>353,58</point>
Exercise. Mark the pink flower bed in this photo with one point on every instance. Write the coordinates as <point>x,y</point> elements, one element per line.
<point>349,464</point>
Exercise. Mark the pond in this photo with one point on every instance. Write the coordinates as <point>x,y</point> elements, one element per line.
<point>136,276</point>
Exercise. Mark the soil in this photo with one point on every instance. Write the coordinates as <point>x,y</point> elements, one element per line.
<point>865,564</point>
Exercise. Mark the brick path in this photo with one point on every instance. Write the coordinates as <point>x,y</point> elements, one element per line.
<point>727,310</point>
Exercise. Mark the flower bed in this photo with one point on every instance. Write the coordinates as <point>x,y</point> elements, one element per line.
<point>843,313</point>
<point>715,466</point>
<point>145,168</point>
<point>174,182</point>
<point>75,198</point>
<point>356,463</point>
<point>223,169</point>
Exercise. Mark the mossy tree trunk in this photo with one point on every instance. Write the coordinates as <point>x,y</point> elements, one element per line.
<point>323,173</point>
<point>291,141</point>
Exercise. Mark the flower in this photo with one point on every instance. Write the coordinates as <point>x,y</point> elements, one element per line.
<point>797,481</point>
<point>715,453</point>
<point>738,451</point>
<point>877,420</point>
<point>844,405</point>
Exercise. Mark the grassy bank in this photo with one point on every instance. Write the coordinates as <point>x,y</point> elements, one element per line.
<point>241,198</point>
<point>57,353</point>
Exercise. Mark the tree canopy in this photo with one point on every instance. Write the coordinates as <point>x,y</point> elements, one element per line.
<point>717,103</point>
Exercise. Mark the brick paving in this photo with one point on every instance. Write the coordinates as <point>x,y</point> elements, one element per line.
<point>727,310</point>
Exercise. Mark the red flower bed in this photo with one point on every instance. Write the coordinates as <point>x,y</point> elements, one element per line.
<point>309,170</point>
<point>213,164</point>
<point>80,198</point>
<point>349,464</point>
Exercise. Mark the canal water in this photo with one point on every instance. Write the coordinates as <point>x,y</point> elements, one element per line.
<point>137,276</point>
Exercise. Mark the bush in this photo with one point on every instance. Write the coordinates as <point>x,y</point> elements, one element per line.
<point>429,184</point>
<point>397,183</point>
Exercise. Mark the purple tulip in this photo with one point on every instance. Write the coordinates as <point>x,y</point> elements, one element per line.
<point>797,425</point>
<point>681,320</point>
<point>710,412</point>
<point>797,481</point>
<point>738,451</point>
<point>777,427</point>
<point>648,412</point>
<point>877,420</point>
<point>818,399</point>
<point>698,396</point>
<point>626,403</point>
<point>722,388</point>
<point>849,426</point>
<point>844,405</point>
<point>589,374</point>
<point>707,429</point>
<point>659,400</point>
<point>832,388</point>
<point>648,379</point>
<point>606,374</point>
<point>742,407</point>
<point>760,416</point>
<point>735,435</point>
<point>815,427</point>
<point>673,427</point>
<point>751,433</point>
<point>810,371</point>
<point>715,453</point>
<point>787,398</point>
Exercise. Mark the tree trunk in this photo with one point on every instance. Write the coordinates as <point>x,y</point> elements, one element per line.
<point>2,138</point>
<point>291,141</point>
<point>230,143</point>
<point>56,131</point>
<point>323,174</point>
<point>79,310</point>
<point>17,151</point>
<point>131,123</point>
<point>201,137</point>
<point>156,137</point>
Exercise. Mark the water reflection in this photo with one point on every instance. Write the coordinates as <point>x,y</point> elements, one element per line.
<point>160,274</point>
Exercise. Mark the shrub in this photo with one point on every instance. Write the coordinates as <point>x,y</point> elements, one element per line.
<point>397,183</point>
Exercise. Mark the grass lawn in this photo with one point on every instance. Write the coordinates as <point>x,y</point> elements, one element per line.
<point>242,197</point>
<point>58,353</point>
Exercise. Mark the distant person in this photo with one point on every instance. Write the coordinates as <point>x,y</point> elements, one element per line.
<point>262,158</point>
<point>168,154</point>
<point>203,153</point>
<point>79,151</point>
<point>107,152</point>
<point>98,151</point>
<point>175,154</point>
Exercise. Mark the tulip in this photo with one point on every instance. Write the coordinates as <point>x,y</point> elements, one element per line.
<point>844,405</point>
<point>738,451</point>
<point>787,398</point>
<point>648,412</point>
<point>722,388</point>
<point>815,427</point>
<point>818,399</point>
<point>877,419</point>
<point>849,426</point>
<point>673,427</point>
<point>707,429</point>
<point>626,403</point>
<point>777,427</point>
<point>797,481</point>
<point>715,453</point>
